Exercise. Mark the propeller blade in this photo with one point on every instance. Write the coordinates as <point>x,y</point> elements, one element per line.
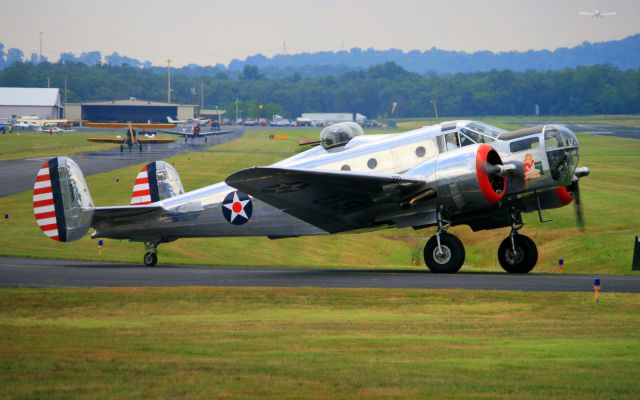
<point>578,206</point>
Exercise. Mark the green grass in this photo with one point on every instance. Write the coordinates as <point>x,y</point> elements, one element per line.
<point>29,144</point>
<point>26,144</point>
<point>609,195</point>
<point>316,343</point>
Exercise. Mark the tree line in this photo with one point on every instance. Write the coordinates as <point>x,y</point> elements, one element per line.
<point>600,89</point>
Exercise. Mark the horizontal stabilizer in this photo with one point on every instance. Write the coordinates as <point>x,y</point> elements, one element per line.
<point>102,214</point>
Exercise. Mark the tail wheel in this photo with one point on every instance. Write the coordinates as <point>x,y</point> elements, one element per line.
<point>150,259</point>
<point>446,259</point>
<point>523,259</point>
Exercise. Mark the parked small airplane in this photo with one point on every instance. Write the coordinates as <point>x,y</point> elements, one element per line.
<point>597,14</point>
<point>132,139</point>
<point>189,121</point>
<point>453,173</point>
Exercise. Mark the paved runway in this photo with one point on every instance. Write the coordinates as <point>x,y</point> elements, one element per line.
<point>19,175</point>
<point>629,132</point>
<point>21,272</point>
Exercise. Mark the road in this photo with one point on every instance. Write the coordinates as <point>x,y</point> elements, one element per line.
<point>22,272</point>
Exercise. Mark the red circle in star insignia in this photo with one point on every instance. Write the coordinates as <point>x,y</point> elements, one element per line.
<point>237,207</point>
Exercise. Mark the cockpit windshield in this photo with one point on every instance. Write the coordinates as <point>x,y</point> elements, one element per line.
<point>478,132</point>
<point>485,129</point>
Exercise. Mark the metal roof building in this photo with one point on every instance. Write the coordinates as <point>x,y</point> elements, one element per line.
<point>133,110</point>
<point>42,102</point>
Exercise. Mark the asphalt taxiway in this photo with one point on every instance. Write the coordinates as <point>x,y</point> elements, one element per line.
<point>19,175</point>
<point>622,131</point>
<point>24,272</point>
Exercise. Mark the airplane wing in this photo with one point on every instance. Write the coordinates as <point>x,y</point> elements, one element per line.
<point>106,140</point>
<point>608,13</point>
<point>332,201</point>
<point>190,133</point>
<point>144,140</point>
<point>585,13</point>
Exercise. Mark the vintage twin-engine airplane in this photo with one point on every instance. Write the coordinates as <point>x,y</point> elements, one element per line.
<point>453,173</point>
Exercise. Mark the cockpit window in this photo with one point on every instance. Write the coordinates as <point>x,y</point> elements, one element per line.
<point>558,136</point>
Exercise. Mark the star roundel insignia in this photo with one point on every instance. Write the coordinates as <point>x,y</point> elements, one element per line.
<point>237,208</point>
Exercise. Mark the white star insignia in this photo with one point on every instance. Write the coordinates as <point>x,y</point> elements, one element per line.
<point>242,203</point>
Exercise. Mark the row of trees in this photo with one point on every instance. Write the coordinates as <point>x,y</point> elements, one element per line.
<point>599,89</point>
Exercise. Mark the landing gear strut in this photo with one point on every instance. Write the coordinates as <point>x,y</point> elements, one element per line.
<point>444,252</point>
<point>517,253</point>
<point>151,255</point>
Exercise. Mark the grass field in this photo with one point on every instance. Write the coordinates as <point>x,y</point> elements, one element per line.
<point>316,343</point>
<point>29,144</point>
<point>610,198</point>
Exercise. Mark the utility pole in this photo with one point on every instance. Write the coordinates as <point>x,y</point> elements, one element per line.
<point>48,82</point>
<point>40,56</point>
<point>65,89</point>
<point>168,81</point>
<point>201,94</point>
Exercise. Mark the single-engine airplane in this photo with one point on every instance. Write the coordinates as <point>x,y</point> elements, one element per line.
<point>597,14</point>
<point>453,173</point>
<point>131,139</point>
<point>194,131</point>
<point>189,121</point>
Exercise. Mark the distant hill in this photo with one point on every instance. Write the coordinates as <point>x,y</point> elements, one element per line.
<point>624,54</point>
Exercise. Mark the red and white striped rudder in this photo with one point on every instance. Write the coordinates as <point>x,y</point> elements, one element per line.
<point>62,204</point>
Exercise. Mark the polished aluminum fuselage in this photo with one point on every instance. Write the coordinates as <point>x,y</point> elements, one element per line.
<point>199,213</point>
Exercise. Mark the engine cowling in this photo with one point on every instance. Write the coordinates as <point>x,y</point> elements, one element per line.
<point>466,178</point>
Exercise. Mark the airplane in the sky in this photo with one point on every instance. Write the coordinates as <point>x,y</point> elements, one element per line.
<point>132,138</point>
<point>453,173</point>
<point>597,14</point>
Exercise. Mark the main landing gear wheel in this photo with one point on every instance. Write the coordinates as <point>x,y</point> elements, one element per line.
<point>446,258</point>
<point>151,256</point>
<point>518,257</point>
<point>150,259</point>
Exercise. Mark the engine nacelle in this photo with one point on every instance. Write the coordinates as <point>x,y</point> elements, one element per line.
<point>466,178</point>
<point>554,198</point>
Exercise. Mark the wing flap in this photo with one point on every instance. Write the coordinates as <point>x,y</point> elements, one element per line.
<point>333,201</point>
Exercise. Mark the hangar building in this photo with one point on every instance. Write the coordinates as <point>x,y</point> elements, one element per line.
<point>42,102</point>
<point>133,110</point>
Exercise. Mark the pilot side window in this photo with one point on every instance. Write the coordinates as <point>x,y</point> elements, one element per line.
<point>524,144</point>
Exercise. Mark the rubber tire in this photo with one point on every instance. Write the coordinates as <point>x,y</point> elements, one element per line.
<point>150,259</point>
<point>451,244</point>
<point>521,265</point>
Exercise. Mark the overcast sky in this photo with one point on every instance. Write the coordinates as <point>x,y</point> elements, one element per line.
<point>208,32</point>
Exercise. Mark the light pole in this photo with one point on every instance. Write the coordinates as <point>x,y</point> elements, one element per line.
<point>168,81</point>
<point>434,103</point>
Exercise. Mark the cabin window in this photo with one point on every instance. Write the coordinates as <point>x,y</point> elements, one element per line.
<point>420,152</point>
<point>372,163</point>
